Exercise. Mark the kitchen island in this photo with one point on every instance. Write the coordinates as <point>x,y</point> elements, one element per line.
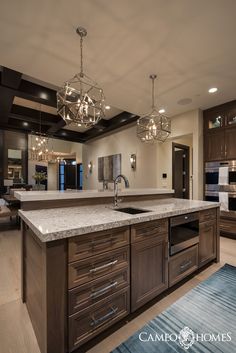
<point>86,267</point>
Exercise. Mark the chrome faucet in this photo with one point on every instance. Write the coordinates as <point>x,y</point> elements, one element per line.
<point>117,179</point>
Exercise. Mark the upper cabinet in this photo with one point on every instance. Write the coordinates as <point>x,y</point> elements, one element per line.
<point>220,132</point>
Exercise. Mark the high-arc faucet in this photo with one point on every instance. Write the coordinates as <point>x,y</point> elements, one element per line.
<point>116,180</point>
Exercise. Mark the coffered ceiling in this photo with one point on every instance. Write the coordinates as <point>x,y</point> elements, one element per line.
<point>189,44</point>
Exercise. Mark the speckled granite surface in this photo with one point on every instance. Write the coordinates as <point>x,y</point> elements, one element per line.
<point>57,223</point>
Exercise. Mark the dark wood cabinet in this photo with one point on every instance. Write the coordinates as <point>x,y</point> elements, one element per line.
<point>215,145</point>
<point>207,242</point>
<point>230,143</point>
<point>183,264</point>
<point>220,132</point>
<point>149,269</point>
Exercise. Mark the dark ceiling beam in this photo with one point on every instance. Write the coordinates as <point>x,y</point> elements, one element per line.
<point>70,135</point>
<point>56,127</point>
<point>32,115</point>
<point>10,81</point>
<point>117,122</point>
<point>37,93</point>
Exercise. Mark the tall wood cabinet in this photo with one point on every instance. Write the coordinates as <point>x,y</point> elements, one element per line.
<point>220,132</point>
<point>149,261</point>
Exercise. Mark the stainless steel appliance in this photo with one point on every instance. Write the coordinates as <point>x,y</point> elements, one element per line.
<point>184,232</point>
<point>212,187</point>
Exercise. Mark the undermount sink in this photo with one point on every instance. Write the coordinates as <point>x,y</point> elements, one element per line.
<point>131,210</point>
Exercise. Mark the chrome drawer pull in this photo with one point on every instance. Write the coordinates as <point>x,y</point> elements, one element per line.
<point>103,266</point>
<point>96,322</point>
<point>184,266</point>
<point>103,290</point>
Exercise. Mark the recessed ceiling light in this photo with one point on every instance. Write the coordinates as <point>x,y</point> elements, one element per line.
<point>161,111</point>
<point>25,123</point>
<point>213,90</point>
<point>107,107</point>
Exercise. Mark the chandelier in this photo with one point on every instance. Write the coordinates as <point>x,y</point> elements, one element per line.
<point>39,147</point>
<point>153,126</point>
<point>80,101</point>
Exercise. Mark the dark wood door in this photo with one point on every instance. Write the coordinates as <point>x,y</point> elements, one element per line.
<point>207,242</point>
<point>230,143</point>
<point>149,269</point>
<point>180,170</point>
<point>215,145</point>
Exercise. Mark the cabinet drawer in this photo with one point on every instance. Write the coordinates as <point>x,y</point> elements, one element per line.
<point>87,245</point>
<point>83,271</point>
<point>90,322</point>
<point>90,293</point>
<point>207,215</point>
<point>184,218</point>
<point>228,226</point>
<point>182,264</point>
<point>144,230</point>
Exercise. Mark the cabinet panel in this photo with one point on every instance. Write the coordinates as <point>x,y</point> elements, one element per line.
<point>95,319</point>
<point>214,146</point>
<point>182,264</point>
<point>149,269</point>
<point>230,143</point>
<point>87,245</point>
<point>83,271</point>
<point>90,293</point>
<point>207,242</point>
<point>145,230</point>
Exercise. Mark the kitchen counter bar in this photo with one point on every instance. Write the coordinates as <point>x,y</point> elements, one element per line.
<point>58,223</point>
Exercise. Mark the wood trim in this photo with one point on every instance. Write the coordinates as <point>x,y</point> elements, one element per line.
<point>44,289</point>
<point>218,234</point>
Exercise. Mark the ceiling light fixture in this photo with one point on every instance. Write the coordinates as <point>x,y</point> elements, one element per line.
<point>107,107</point>
<point>80,100</point>
<point>162,111</point>
<point>153,126</point>
<point>213,90</point>
<point>39,147</point>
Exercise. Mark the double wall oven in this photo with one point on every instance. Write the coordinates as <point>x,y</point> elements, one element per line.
<point>212,186</point>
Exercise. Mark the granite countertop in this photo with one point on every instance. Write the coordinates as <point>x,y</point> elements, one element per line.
<point>25,196</point>
<point>57,223</point>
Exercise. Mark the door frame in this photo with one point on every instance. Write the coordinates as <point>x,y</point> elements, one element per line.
<point>186,148</point>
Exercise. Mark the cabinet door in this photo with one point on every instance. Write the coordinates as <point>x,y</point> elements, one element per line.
<point>214,120</point>
<point>149,269</point>
<point>230,143</point>
<point>215,146</point>
<point>207,242</point>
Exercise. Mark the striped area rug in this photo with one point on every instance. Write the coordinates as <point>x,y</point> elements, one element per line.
<point>202,321</point>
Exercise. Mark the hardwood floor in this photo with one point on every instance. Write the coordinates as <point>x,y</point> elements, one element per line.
<point>16,332</point>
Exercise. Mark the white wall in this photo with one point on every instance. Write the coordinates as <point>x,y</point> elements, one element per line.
<point>152,159</point>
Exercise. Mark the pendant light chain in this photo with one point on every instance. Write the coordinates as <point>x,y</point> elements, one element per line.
<point>81,57</point>
<point>153,99</point>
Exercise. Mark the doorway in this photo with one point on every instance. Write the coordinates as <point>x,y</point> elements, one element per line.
<point>180,170</point>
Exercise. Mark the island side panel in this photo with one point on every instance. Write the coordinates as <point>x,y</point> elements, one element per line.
<point>44,282</point>
<point>218,234</point>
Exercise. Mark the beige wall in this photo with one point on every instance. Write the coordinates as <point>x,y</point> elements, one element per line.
<point>152,159</point>
<point>126,143</point>
<point>165,161</point>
